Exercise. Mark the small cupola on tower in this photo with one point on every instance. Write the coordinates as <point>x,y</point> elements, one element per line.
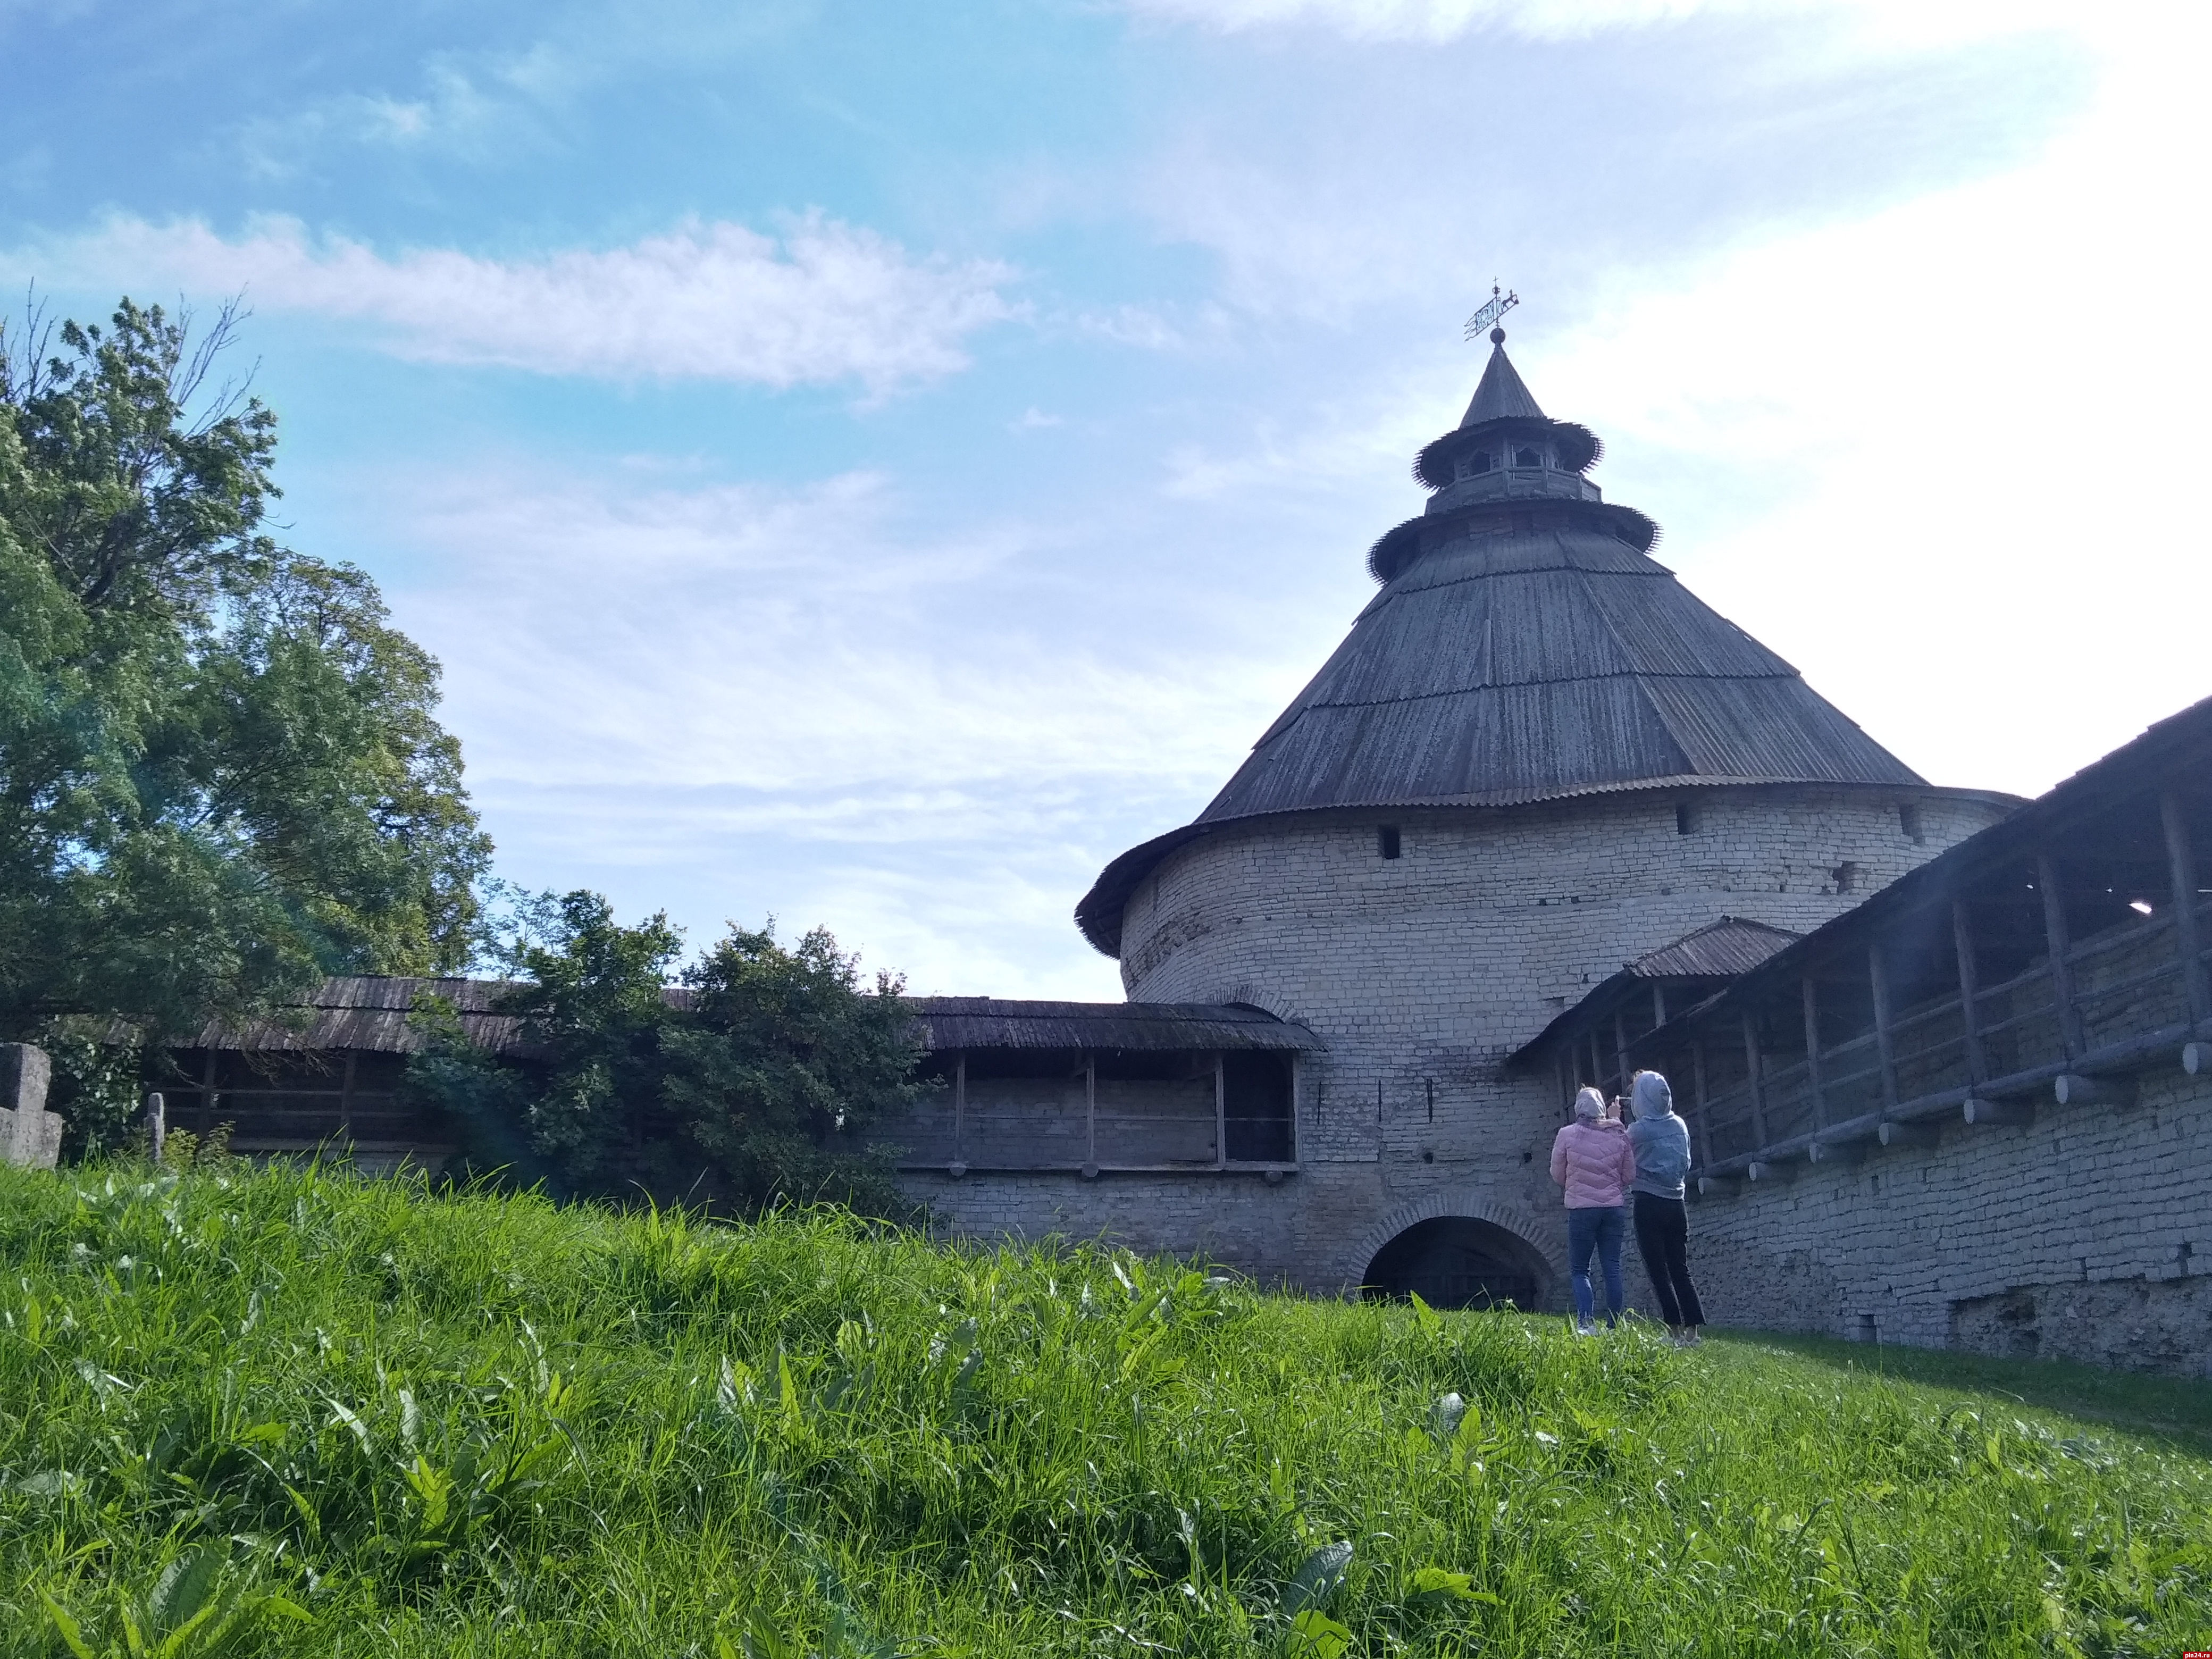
<point>1505,456</point>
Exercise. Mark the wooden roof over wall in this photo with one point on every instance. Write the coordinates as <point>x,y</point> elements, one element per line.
<point>368,1013</point>
<point>950,1023</point>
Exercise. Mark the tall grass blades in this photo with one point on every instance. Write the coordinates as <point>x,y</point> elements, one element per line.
<point>287,1411</point>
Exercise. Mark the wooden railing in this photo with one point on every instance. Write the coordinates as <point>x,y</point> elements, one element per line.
<point>2122,1000</point>
<point>1773,1086</point>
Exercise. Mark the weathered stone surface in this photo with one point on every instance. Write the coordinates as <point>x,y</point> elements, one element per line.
<point>2081,1236</point>
<point>30,1135</point>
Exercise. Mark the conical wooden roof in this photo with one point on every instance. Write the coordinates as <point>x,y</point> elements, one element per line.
<point>1524,647</point>
<point>1501,395</point>
<point>1529,665</point>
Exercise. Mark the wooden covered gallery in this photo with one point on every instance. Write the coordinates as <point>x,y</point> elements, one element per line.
<point>329,1072</point>
<point>1080,1087</point>
<point>1090,1087</point>
<point>2054,956</point>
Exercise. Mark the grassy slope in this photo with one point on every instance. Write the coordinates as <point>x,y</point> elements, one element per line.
<point>486,1426</point>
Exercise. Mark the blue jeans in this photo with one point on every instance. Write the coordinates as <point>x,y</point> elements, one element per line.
<point>1604,1229</point>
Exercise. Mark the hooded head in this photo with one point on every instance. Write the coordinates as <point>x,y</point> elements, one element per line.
<point>1651,1096</point>
<point>1589,1105</point>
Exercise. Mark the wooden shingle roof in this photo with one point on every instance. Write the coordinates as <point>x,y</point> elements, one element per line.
<point>948,1022</point>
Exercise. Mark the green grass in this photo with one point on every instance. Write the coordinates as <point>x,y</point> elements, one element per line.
<point>323,1416</point>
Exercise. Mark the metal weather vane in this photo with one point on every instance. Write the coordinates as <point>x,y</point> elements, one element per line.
<point>1493,308</point>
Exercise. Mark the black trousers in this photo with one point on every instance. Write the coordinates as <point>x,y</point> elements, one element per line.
<point>1662,1239</point>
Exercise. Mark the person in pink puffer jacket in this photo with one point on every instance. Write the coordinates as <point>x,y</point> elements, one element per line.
<point>1593,1161</point>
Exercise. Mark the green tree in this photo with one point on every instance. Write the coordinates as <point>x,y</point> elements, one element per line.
<point>754,1076</point>
<point>221,771</point>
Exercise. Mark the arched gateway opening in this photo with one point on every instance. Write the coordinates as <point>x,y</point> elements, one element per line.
<point>1455,1261</point>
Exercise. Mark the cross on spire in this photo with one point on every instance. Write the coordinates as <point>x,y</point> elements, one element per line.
<point>1491,310</point>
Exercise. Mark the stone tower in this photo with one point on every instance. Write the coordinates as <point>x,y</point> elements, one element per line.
<point>1535,758</point>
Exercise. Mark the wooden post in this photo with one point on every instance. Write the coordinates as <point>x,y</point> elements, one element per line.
<point>345,1097</point>
<point>1091,1109</point>
<point>2181,863</point>
<point>1621,1048</point>
<point>207,1096</point>
<point>1221,1113</point>
<point>1813,1052</point>
<point>1298,1091</point>
<point>1970,992</point>
<point>1597,1063</point>
<point>2062,972</point>
<point>1885,1045</point>
<point>1705,1118</point>
<point>1658,1005</point>
<point>959,1103</point>
<point>1560,1076</point>
<point>1758,1079</point>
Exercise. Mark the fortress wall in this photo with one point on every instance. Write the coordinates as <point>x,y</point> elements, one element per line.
<point>1422,974</point>
<point>2085,1234</point>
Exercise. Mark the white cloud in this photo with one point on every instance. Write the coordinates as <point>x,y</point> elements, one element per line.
<point>736,700</point>
<point>781,640</point>
<point>1939,457</point>
<point>824,302</point>
<point>1553,20</point>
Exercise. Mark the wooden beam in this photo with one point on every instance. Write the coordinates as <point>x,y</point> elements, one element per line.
<point>2196,1058</point>
<point>1813,1051</point>
<point>1221,1114</point>
<point>1658,1005</point>
<point>1970,992</point>
<point>1908,1135</point>
<point>959,1100</point>
<point>2075,1090</point>
<point>2055,941</point>
<point>1844,1155</point>
<point>1705,1118</point>
<point>1985,1113</point>
<point>345,1096</point>
<point>2181,866</point>
<point>1759,1170</point>
<point>1758,1080</point>
<point>1620,1047</point>
<point>1885,1042</point>
<point>207,1096</point>
<point>1091,1109</point>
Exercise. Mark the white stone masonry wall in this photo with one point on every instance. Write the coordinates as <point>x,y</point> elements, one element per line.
<point>2086,1235</point>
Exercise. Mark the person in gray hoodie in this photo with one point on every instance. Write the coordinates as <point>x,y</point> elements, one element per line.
<point>1661,1141</point>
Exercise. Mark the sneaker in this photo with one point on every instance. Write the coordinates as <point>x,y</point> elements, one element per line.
<point>1690,1338</point>
<point>1583,1328</point>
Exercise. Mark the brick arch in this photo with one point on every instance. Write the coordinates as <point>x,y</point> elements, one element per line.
<point>1547,1243</point>
<point>1256,997</point>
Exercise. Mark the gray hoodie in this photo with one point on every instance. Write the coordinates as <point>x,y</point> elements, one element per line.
<point>1659,1138</point>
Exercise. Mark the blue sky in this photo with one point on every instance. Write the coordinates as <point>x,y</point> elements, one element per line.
<point>871,464</point>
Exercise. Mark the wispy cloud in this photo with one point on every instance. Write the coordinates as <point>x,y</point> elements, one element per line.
<point>1556,19</point>
<point>809,640</point>
<point>822,302</point>
<point>736,699</point>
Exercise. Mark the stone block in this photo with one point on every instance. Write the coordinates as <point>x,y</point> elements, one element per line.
<point>30,1135</point>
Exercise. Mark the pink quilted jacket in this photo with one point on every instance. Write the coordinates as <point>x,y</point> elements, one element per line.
<point>1595,1162</point>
